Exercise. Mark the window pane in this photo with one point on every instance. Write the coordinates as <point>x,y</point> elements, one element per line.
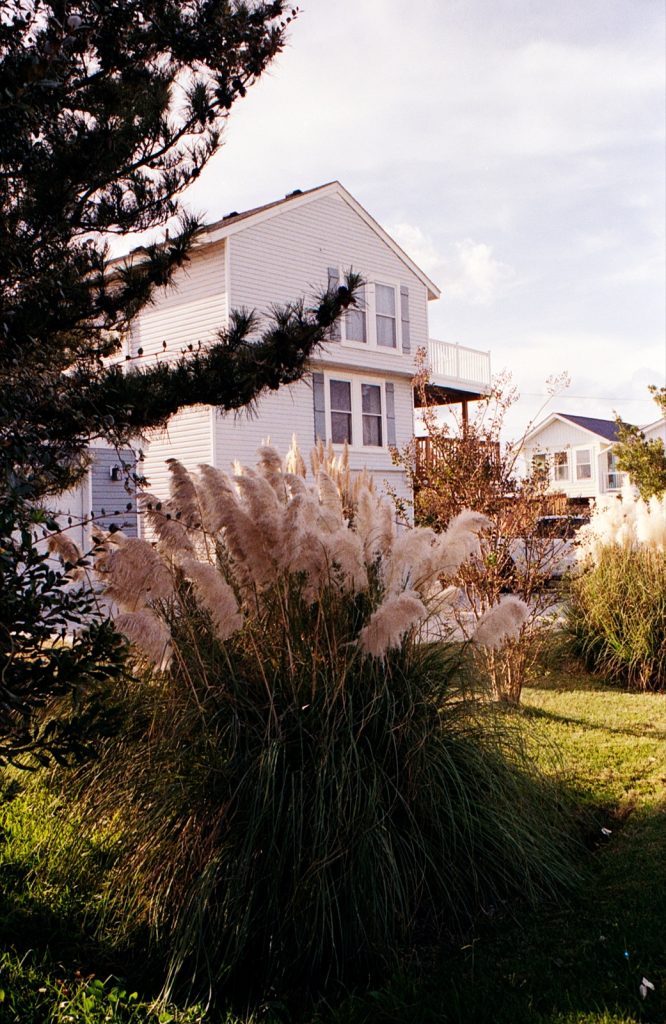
<point>372,430</point>
<point>561,466</point>
<point>355,325</point>
<point>583,465</point>
<point>341,395</point>
<point>386,331</point>
<point>372,398</point>
<point>385,300</point>
<point>341,427</point>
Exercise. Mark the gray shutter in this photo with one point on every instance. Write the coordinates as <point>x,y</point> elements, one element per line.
<point>319,402</point>
<point>333,285</point>
<point>390,414</point>
<point>404,318</point>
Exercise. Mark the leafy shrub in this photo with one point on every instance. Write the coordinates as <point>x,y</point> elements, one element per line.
<point>305,786</point>
<point>617,611</point>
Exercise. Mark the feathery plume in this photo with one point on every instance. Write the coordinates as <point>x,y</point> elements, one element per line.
<point>170,532</point>
<point>269,467</point>
<point>329,496</point>
<point>134,575</point>
<point>215,595</point>
<point>459,541</point>
<point>501,622</point>
<point>294,462</point>
<point>64,547</point>
<point>374,524</point>
<point>218,497</point>
<point>150,634</point>
<point>184,497</point>
<point>410,560</point>
<point>345,551</point>
<point>390,622</point>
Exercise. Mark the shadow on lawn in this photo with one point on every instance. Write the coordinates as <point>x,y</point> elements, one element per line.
<point>583,964</point>
<point>639,730</point>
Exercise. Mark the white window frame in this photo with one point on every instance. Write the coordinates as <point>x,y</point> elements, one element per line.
<point>578,464</point>
<point>370,311</point>
<point>357,410</point>
<point>566,466</point>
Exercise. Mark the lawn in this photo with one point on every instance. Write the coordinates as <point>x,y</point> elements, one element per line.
<point>581,964</point>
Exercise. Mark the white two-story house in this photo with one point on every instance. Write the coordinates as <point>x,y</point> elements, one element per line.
<point>359,386</point>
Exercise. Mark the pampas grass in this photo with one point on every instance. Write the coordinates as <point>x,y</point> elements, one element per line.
<point>314,785</point>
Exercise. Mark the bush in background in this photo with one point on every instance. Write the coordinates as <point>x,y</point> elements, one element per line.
<point>303,785</point>
<point>617,609</point>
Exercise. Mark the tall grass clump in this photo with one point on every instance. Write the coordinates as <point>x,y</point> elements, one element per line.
<point>303,784</point>
<point>617,612</point>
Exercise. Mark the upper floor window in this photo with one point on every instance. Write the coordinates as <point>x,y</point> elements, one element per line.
<point>583,464</point>
<point>355,328</point>
<point>385,310</point>
<point>561,466</point>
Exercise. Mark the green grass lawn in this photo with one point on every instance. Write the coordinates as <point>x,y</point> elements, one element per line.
<point>578,964</point>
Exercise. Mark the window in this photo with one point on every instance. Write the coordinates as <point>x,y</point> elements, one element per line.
<point>357,412</point>
<point>540,465</point>
<point>355,324</point>
<point>341,411</point>
<point>387,334</point>
<point>371,405</point>
<point>561,466</point>
<point>584,464</point>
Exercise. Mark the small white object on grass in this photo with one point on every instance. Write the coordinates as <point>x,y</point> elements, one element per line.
<point>644,986</point>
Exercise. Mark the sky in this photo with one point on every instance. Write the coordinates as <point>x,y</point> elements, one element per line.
<point>514,148</point>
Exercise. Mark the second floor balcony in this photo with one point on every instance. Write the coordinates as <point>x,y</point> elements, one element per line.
<point>457,373</point>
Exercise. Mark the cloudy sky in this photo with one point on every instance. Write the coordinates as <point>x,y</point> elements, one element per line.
<point>515,149</point>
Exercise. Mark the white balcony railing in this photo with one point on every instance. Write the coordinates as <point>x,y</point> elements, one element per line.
<point>458,364</point>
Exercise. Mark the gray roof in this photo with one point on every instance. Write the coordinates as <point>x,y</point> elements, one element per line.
<point>604,428</point>
<point>232,218</point>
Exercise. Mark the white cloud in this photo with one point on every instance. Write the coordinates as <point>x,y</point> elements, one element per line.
<point>468,271</point>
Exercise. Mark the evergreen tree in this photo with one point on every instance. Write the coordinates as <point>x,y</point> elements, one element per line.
<point>109,109</point>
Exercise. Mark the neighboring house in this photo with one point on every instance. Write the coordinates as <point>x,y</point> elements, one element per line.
<point>577,453</point>
<point>656,431</point>
<point>359,388</point>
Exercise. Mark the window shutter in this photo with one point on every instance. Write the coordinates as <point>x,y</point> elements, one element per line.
<point>319,403</point>
<point>390,414</point>
<point>404,318</point>
<point>333,285</point>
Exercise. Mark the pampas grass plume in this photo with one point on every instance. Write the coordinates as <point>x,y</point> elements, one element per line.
<point>150,634</point>
<point>389,623</point>
<point>501,622</point>
<point>216,596</point>
<point>63,546</point>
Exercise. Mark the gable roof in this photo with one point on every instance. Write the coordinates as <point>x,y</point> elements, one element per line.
<point>603,428</point>
<point>606,429</point>
<point>239,221</point>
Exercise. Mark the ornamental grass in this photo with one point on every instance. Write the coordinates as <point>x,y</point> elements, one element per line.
<point>617,609</point>
<point>304,783</point>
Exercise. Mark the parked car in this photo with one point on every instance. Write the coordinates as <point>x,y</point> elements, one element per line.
<point>550,548</point>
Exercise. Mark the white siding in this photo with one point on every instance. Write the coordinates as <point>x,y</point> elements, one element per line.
<point>288,256</point>
<point>559,435</point>
<point>191,311</point>
<point>278,416</point>
<point>290,411</point>
<point>188,438</point>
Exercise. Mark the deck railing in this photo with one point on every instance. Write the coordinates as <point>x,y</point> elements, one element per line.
<point>458,363</point>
